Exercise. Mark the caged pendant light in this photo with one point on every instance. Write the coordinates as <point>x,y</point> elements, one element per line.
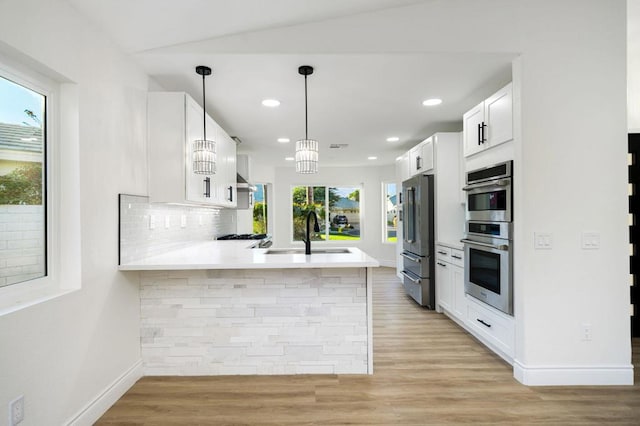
<point>306,149</point>
<point>204,150</point>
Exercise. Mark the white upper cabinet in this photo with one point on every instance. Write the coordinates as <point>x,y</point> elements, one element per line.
<point>421,157</point>
<point>489,123</point>
<point>174,121</point>
<point>403,168</point>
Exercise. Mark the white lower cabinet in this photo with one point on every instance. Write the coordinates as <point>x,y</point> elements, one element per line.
<point>494,328</point>
<point>450,281</point>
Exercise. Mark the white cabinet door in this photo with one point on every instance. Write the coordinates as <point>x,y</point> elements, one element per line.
<point>415,156</point>
<point>444,287</point>
<point>426,162</point>
<point>459,299</point>
<point>472,122</point>
<point>498,116</point>
<point>226,175</point>
<point>198,189</point>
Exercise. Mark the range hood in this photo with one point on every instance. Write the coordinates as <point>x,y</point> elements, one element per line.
<point>245,188</point>
<point>242,184</point>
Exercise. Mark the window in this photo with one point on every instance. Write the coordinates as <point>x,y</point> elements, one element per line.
<point>337,208</point>
<point>23,211</point>
<point>260,209</point>
<point>390,212</point>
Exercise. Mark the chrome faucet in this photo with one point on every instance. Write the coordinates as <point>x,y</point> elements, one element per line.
<point>316,228</point>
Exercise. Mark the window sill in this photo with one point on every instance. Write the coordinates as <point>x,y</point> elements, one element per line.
<point>23,295</point>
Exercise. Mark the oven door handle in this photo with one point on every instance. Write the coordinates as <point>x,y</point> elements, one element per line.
<point>499,182</point>
<point>415,280</point>
<point>503,247</point>
<point>416,259</point>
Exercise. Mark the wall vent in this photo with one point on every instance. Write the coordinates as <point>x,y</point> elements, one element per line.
<point>338,145</point>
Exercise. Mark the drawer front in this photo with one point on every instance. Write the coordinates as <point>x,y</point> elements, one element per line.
<point>443,253</point>
<point>457,257</point>
<point>492,326</point>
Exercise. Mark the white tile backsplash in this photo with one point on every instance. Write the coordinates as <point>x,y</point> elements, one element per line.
<point>144,231</point>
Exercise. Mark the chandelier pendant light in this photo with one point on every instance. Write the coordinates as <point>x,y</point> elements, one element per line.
<point>306,149</point>
<point>204,150</point>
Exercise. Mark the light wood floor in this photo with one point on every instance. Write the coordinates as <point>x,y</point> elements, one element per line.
<point>427,371</point>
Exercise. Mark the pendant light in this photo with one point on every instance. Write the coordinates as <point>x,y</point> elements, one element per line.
<point>204,150</point>
<point>306,149</point>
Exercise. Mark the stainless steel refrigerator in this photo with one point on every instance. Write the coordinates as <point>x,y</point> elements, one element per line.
<point>418,240</point>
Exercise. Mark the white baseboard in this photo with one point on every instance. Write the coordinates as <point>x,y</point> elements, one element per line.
<point>573,376</point>
<point>91,412</point>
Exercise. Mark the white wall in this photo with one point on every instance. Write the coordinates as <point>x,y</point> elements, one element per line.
<point>63,353</point>
<point>570,153</point>
<point>369,178</point>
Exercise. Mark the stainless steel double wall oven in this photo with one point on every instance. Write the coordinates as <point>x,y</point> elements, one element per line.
<point>488,243</point>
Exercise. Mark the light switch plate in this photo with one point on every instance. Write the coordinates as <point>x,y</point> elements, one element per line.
<point>590,240</point>
<point>543,240</point>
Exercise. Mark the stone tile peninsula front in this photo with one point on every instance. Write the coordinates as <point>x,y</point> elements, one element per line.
<point>256,321</point>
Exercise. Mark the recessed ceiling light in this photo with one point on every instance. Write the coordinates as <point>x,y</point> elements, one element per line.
<point>372,158</point>
<point>283,140</point>
<point>432,102</point>
<point>289,158</point>
<point>393,139</point>
<point>271,103</point>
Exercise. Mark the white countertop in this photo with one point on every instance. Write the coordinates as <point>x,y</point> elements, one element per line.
<point>239,255</point>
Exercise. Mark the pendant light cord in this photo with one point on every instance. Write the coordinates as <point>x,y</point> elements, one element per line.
<point>204,111</point>
<point>306,123</point>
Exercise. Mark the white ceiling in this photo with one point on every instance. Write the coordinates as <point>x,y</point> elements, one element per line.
<point>355,98</point>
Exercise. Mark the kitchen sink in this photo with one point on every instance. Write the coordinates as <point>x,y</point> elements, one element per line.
<point>313,251</point>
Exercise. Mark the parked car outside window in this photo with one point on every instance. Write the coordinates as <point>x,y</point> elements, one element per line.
<point>340,220</point>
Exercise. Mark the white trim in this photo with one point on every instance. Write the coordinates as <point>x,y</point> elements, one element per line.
<point>95,408</point>
<point>62,183</point>
<point>369,287</point>
<point>557,375</point>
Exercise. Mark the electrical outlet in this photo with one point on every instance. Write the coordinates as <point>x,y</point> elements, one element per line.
<point>200,220</point>
<point>167,221</point>
<point>152,222</point>
<point>183,221</point>
<point>586,332</point>
<point>16,411</point>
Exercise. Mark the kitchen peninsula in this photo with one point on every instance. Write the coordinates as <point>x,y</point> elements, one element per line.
<point>222,307</point>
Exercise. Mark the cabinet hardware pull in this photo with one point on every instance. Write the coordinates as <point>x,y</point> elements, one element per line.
<point>442,252</point>
<point>231,193</point>
<point>483,139</point>
<point>456,257</point>
<point>412,258</point>
<point>207,187</point>
<point>418,162</point>
<point>415,280</point>
<point>441,264</point>
<point>479,130</point>
<point>483,323</point>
